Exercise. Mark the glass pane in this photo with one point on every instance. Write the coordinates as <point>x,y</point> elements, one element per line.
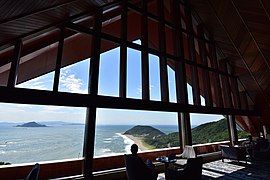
<point>208,128</point>
<point>118,129</point>
<point>154,78</point>
<point>134,74</point>
<point>109,71</point>
<point>40,133</point>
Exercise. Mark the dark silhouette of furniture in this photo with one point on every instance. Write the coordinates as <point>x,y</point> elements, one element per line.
<point>192,170</point>
<point>136,169</point>
<point>33,175</point>
<point>233,152</point>
<point>188,152</point>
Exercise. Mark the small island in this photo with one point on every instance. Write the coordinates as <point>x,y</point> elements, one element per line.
<point>31,124</point>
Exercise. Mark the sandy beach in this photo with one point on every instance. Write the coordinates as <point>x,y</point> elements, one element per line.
<point>138,141</point>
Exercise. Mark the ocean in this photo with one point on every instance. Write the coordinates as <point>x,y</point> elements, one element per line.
<point>63,141</point>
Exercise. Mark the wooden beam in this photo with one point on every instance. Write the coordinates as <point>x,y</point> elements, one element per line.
<point>58,60</point>
<point>144,53</point>
<point>164,89</point>
<point>265,10</point>
<point>41,97</point>
<point>216,82</point>
<point>123,52</point>
<point>232,129</point>
<point>266,98</point>
<point>81,29</point>
<point>226,87</point>
<point>206,77</point>
<point>244,101</point>
<point>13,73</point>
<point>51,27</point>
<point>192,56</point>
<point>90,124</point>
<point>180,73</point>
<point>251,34</point>
<point>235,92</point>
<point>166,22</point>
<point>41,10</point>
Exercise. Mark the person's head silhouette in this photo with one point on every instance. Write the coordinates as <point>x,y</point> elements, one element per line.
<point>134,149</point>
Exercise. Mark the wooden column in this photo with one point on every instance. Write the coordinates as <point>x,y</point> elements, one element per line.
<point>162,48</point>
<point>192,56</point>
<point>180,76</point>
<point>235,92</point>
<point>206,77</point>
<point>90,125</point>
<point>244,101</point>
<point>226,88</point>
<point>232,129</point>
<point>123,52</point>
<point>58,60</point>
<point>13,73</point>
<point>144,53</point>
<point>216,81</point>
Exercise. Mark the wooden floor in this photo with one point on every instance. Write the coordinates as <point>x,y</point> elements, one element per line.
<point>234,170</point>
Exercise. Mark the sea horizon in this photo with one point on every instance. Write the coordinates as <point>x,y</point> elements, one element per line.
<point>34,144</point>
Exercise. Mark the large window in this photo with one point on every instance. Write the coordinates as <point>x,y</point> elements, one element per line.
<point>207,128</point>
<point>31,133</point>
<point>117,130</point>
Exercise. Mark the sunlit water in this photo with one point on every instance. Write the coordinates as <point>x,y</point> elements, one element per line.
<point>22,145</point>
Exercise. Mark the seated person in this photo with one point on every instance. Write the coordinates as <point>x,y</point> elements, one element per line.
<point>149,164</point>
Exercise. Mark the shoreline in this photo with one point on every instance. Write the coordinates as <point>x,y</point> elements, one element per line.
<point>138,141</point>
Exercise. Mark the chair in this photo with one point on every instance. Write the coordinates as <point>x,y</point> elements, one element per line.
<point>136,169</point>
<point>188,152</point>
<point>233,152</point>
<point>33,175</point>
<point>192,170</point>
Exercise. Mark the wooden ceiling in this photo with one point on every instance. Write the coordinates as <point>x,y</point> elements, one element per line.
<point>19,19</point>
<point>240,28</point>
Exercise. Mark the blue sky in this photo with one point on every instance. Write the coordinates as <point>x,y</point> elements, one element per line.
<point>74,78</point>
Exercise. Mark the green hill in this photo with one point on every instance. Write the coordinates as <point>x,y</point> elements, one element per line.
<point>213,132</point>
<point>204,133</point>
<point>144,131</point>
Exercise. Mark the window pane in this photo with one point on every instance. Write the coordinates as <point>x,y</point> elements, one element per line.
<point>154,78</point>
<point>60,137</point>
<point>134,74</point>
<point>208,128</point>
<point>117,130</point>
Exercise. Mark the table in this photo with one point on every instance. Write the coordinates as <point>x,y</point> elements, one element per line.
<point>166,161</point>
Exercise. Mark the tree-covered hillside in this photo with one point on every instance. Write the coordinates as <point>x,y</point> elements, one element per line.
<point>213,132</point>
<point>144,131</point>
<point>204,133</point>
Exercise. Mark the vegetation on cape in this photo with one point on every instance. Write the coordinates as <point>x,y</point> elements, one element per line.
<point>213,132</point>
<point>144,131</point>
<point>204,133</point>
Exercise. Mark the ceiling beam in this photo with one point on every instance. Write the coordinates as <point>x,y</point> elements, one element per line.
<point>20,16</point>
<point>50,27</point>
<point>42,97</point>
<point>265,10</point>
<point>250,33</point>
<point>239,53</point>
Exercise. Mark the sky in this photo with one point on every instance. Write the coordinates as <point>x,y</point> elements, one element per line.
<point>74,78</point>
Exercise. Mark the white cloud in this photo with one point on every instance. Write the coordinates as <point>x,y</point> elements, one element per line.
<point>70,83</point>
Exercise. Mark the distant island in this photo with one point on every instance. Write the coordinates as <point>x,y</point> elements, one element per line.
<point>148,137</point>
<point>31,124</point>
